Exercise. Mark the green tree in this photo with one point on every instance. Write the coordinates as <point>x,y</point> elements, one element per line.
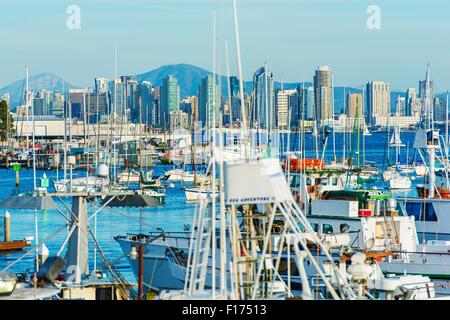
<point>5,119</point>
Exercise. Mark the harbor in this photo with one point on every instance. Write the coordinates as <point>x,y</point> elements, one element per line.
<point>183,184</point>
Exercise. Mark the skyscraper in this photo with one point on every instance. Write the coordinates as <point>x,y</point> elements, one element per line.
<point>410,99</point>
<point>234,86</point>
<point>306,104</point>
<point>117,98</point>
<point>355,105</point>
<point>378,99</point>
<point>78,103</point>
<point>263,94</point>
<point>287,103</point>
<point>207,104</point>
<point>169,99</point>
<point>146,102</point>
<point>323,93</point>
<point>422,88</point>
<point>101,85</point>
<point>58,105</point>
<point>235,107</point>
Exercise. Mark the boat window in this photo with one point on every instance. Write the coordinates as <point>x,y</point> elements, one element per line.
<point>315,227</point>
<point>334,181</point>
<point>308,181</point>
<point>421,211</point>
<point>327,228</point>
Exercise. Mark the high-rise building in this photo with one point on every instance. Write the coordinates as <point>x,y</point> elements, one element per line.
<point>117,98</point>
<point>97,106</point>
<point>146,102</point>
<point>355,105</point>
<point>179,120</point>
<point>234,86</point>
<point>286,104</point>
<point>42,103</point>
<point>378,99</point>
<point>58,105</point>
<point>156,106</point>
<point>235,108</point>
<point>101,85</point>
<point>323,93</point>
<point>78,103</point>
<point>422,88</point>
<point>208,105</point>
<point>306,104</point>
<point>263,94</point>
<point>131,97</point>
<point>189,105</point>
<point>411,95</point>
<point>169,99</point>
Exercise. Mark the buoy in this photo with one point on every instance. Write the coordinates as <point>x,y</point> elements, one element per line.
<point>7,227</point>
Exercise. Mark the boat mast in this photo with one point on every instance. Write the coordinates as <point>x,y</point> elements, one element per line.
<point>33,140</point>
<point>244,132</point>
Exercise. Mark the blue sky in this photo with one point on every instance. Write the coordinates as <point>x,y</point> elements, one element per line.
<point>293,36</point>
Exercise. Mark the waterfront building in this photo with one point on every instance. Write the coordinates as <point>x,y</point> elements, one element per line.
<point>391,121</point>
<point>263,115</point>
<point>306,103</point>
<point>323,94</point>
<point>208,105</point>
<point>169,100</point>
<point>378,100</point>
<point>286,105</point>
<point>355,105</point>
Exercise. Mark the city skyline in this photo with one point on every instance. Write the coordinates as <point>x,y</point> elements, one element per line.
<point>292,45</point>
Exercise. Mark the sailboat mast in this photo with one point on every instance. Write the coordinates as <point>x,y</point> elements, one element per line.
<point>244,132</point>
<point>33,139</point>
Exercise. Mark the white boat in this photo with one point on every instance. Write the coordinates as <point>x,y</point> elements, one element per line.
<point>398,181</point>
<point>131,176</point>
<point>197,193</point>
<point>431,259</point>
<point>177,175</point>
<point>405,168</point>
<point>82,184</point>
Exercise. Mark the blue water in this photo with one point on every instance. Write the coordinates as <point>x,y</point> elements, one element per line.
<point>110,221</point>
<point>115,221</point>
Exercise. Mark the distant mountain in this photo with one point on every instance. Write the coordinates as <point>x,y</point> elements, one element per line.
<point>189,78</point>
<point>37,82</point>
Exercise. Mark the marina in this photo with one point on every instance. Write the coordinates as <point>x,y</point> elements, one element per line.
<point>183,184</point>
